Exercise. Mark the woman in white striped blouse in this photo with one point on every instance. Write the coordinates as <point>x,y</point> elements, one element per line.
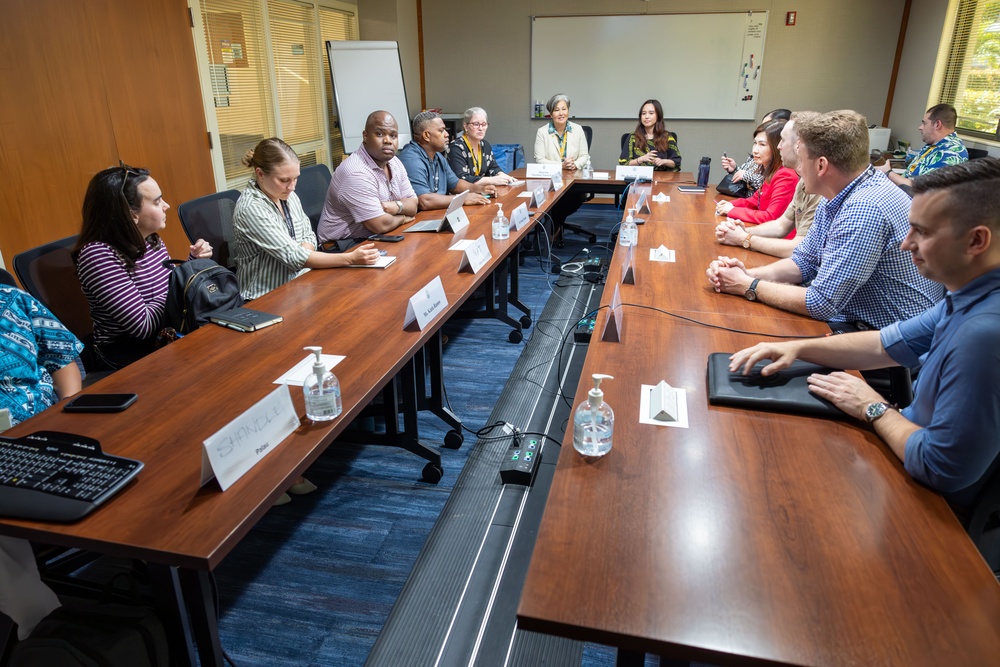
<point>275,241</point>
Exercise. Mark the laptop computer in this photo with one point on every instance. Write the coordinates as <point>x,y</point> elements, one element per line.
<point>454,218</point>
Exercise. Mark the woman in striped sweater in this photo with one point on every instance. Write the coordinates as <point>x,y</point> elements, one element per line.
<point>119,259</point>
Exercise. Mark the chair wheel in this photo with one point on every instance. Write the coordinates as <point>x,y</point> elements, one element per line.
<point>525,322</point>
<point>453,439</point>
<point>515,336</point>
<point>593,239</point>
<point>432,473</point>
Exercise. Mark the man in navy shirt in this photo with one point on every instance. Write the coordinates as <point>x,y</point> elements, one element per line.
<point>427,167</point>
<point>949,437</point>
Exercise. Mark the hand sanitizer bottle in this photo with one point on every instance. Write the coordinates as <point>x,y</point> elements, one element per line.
<point>629,232</point>
<point>322,391</point>
<point>588,170</point>
<point>501,225</point>
<point>594,422</point>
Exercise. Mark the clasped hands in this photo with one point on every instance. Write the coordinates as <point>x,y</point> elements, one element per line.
<point>731,232</point>
<point>848,392</point>
<point>651,158</point>
<point>728,275</point>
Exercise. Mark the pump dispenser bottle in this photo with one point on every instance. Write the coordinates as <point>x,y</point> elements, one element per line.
<point>322,391</point>
<point>594,422</point>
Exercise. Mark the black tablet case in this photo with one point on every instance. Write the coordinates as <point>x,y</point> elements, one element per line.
<point>785,391</point>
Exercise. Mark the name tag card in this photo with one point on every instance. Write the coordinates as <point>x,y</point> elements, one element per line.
<point>663,405</point>
<point>519,217</point>
<point>625,172</point>
<point>426,304</point>
<point>556,183</point>
<point>628,266</point>
<point>538,170</point>
<point>457,220</point>
<point>662,254</point>
<point>642,206</point>
<point>242,443</point>
<point>614,325</point>
<point>537,197</point>
<point>475,255</point>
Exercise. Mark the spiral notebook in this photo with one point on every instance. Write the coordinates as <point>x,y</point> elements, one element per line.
<point>785,391</point>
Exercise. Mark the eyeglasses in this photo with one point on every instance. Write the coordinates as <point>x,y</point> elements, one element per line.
<point>478,126</point>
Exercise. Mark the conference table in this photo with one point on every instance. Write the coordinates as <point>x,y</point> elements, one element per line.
<point>747,538</point>
<point>193,387</point>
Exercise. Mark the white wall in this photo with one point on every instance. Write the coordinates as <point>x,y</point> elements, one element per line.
<point>839,55</point>
<point>395,21</point>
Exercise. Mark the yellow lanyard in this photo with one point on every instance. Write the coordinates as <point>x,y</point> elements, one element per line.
<point>562,144</point>
<point>477,163</point>
<point>912,166</point>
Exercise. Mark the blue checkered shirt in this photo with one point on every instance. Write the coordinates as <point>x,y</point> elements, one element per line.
<point>852,258</point>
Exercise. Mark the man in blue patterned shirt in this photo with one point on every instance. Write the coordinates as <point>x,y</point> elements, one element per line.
<point>949,437</point>
<point>942,146</point>
<point>850,267</point>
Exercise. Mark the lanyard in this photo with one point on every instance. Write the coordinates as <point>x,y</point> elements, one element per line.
<point>562,142</point>
<point>477,164</point>
<point>288,218</point>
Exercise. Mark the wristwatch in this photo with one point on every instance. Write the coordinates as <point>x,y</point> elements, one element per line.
<point>400,205</point>
<point>746,241</point>
<point>876,410</point>
<point>751,293</point>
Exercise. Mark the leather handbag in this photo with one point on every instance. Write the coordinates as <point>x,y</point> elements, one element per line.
<point>727,187</point>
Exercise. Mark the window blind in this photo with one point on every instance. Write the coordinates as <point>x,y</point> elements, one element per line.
<point>970,76</point>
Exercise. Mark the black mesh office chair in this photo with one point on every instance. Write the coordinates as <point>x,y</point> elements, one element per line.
<point>313,184</point>
<point>591,237</point>
<point>6,278</point>
<point>211,218</point>
<point>48,273</point>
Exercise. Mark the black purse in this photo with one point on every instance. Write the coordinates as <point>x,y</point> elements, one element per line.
<point>727,187</point>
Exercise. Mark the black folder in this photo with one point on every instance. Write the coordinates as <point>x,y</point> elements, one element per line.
<point>785,391</point>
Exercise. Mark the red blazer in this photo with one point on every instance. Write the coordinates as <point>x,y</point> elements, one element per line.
<point>770,201</point>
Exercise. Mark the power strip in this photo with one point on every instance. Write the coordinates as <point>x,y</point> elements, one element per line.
<point>584,330</point>
<point>521,460</point>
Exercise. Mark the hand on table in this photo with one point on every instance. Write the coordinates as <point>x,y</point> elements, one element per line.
<point>849,393</point>
<point>723,207</point>
<point>781,356</point>
<point>728,276</point>
<point>364,254</point>
<point>730,232</point>
<point>568,163</point>
<point>476,199</point>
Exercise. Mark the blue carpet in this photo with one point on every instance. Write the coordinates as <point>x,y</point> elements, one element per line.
<point>315,580</point>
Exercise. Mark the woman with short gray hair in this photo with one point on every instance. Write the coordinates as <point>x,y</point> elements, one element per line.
<point>471,156</point>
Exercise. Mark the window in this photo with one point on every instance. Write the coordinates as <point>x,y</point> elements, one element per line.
<point>266,68</point>
<point>970,80</point>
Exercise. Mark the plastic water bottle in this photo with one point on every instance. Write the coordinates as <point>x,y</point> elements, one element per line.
<point>703,169</point>
<point>629,232</point>
<point>594,422</point>
<point>501,225</point>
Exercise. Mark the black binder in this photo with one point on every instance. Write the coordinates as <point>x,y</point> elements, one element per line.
<point>785,391</point>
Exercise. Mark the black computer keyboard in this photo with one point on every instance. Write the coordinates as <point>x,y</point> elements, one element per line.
<point>53,476</point>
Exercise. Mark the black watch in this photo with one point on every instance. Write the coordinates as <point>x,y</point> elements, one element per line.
<point>751,293</point>
<point>876,410</point>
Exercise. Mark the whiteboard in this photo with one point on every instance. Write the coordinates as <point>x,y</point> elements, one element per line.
<point>700,66</point>
<point>367,77</point>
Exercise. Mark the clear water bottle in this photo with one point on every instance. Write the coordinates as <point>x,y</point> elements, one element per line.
<point>629,232</point>
<point>588,170</point>
<point>501,225</point>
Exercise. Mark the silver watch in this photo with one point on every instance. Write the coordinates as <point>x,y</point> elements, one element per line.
<point>876,410</point>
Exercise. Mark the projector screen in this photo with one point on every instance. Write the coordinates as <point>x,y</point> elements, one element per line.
<point>700,66</point>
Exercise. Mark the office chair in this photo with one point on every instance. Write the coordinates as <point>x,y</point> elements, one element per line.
<point>313,184</point>
<point>6,278</point>
<point>48,273</point>
<point>977,153</point>
<point>591,238</point>
<point>211,218</point>
<point>983,521</point>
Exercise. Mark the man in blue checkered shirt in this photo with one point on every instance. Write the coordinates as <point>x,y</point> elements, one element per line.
<point>850,267</point>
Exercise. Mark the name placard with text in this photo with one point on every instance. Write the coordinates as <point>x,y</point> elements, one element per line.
<point>426,304</point>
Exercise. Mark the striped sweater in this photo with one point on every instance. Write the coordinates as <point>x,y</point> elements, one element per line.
<point>124,303</point>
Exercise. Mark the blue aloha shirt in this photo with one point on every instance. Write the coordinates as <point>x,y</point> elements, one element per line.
<point>943,152</point>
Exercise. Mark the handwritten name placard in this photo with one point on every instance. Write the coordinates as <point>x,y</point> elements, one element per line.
<point>242,443</point>
<point>475,256</point>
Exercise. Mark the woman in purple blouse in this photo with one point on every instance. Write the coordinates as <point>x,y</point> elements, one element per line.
<point>119,259</point>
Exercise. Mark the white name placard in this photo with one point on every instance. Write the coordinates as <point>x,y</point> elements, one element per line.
<point>556,182</point>
<point>537,196</point>
<point>662,254</point>
<point>538,170</point>
<point>457,220</point>
<point>519,216</point>
<point>642,206</point>
<point>624,171</point>
<point>475,256</point>
<point>242,443</point>
<point>628,266</point>
<point>426,304</point>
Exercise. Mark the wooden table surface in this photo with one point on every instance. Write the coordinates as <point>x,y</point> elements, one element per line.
<point>749,537</point>
<point>193,387</point>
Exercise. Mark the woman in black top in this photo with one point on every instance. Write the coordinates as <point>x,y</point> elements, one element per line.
<point>471,156</point>
<point>651,144</point>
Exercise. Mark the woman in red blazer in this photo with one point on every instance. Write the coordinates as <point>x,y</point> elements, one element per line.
<point>779,184</point>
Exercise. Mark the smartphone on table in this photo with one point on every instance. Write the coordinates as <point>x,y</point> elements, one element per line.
<point>100,403</point>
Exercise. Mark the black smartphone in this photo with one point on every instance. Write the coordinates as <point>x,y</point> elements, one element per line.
<point>100,403</point>
<point>388,238</point>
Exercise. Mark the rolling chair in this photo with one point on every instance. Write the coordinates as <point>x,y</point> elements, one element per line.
<point>48,273</point>
<point>313,184</point>
<point>7,279</point>
<point>211,218</point>
<point>983,521</point>
<point>591,237</point>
